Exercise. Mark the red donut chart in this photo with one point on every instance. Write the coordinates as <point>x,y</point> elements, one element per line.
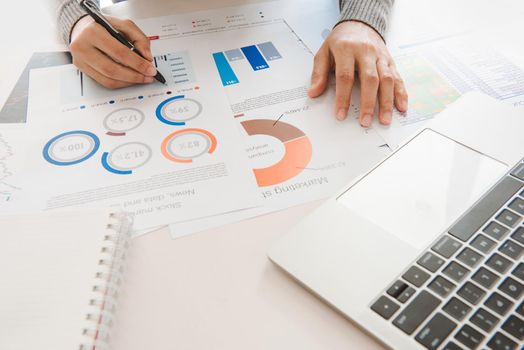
<point>298,150</point>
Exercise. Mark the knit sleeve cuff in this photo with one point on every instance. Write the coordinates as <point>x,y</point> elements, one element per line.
<point>374,13</point>
<point>69,13</point>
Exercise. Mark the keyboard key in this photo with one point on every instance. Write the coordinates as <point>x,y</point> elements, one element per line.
<point>483,243</point>
<point>430,261</point>
<point>485,278</point>
<point>498,303</point>
<point>397,288</point>
<point>495,230</point>
<point>519,271</point>
<point>518,171</point>
<point>416,312</point>
<point>515,327</point>
<point>469,337</point>
<point>455,271</point>
<point>435,331</point>
<point>512,288</point>
<point>519,235</point>
<point>446,246</point>
<point>471,293</point>
<point>498,263</point>
<point>500,342</point>
<point>517,205</point>
<point>470,223</point>
<point>456,309</point>
<point>415,276</point>
<point>451,346</point>
<point>520,309</point>
<point>508,218</point>
<point>385,307</point>
<point>469,257</point>
<point>406,295</point>
<point>484,320</point>
<point>511,249</point>
<point>441,286</point>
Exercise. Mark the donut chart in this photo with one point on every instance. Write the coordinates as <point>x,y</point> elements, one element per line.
<point>127,157</point>
<point>70,148</point>
<point>122,120</point>
<point>298,150</point>
<point>177,110</point>
<point>183,146</point>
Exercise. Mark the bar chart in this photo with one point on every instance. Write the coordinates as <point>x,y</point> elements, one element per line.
<point>257,56</point>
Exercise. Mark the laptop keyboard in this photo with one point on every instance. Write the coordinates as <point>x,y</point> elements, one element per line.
<point>466,291</point>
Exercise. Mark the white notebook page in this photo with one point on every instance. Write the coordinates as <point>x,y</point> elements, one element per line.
<point>48,263</point>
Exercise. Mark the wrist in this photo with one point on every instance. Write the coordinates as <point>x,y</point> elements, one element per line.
<point>78,26</point>
<point>347,22</point>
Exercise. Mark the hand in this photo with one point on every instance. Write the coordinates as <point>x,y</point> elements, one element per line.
<point>96,53</point>
<point>354,46</point>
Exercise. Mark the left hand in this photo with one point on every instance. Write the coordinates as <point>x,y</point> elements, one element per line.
<point>356,47</point>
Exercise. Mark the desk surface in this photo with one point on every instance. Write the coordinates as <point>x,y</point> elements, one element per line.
<point>223,291</point>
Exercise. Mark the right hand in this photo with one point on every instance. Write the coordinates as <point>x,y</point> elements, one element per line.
<point>96,53</point>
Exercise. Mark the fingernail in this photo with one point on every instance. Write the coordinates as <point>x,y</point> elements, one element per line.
<point>386,118</point>
<point>342,113</point>
<point>148,80</point>
<point>366,121</point>
<point>151,71</point>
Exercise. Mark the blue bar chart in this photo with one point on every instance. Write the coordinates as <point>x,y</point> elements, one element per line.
<point>257,56</point>
<point>225,71</point>
<point>254,57</point>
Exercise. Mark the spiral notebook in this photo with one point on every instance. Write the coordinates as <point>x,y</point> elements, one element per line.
<point>60,274</point>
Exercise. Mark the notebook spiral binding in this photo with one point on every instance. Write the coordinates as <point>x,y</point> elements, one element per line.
<point>105,294</point>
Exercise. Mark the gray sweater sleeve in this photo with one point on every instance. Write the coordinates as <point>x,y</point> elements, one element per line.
<point>374,13</point>
<point>68,12</point>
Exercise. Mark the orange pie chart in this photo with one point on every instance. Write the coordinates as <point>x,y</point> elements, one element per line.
<point>297,150</point>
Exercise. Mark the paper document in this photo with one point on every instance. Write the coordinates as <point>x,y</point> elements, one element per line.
<point>162,153</point>
<point>232,130</point>
<point>12,146</point>
<point>437,73</point>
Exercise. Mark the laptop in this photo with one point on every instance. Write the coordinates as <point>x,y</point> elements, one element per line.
<point>426,250</point>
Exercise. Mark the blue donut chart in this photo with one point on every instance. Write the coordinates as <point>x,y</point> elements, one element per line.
<point>109,168</point>
<point>47,148</point>
<point>159,111</point>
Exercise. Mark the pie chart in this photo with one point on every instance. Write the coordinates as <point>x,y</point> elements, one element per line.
<point>297,150</point>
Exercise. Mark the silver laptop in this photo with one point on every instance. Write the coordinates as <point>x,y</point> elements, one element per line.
<point>426,250</point>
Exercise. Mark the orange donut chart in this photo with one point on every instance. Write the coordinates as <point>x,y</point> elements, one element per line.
<point>298,150</point>
<point>170,155</point>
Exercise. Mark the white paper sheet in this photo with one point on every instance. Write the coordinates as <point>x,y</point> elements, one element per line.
<point>164,153</point>
<point>12,139</point>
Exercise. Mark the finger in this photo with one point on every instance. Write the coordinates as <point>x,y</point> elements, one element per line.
<point>111,69</point>
<point>345,77</point>
<point>320,74</point>
<point>369,82</point>
<point>385,92</point>
<point>400,92</point>
<point>120,53</point>
<point>135,35</point>
<point>100,78</point>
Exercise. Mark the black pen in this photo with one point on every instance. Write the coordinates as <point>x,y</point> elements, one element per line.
<point>93,11</point>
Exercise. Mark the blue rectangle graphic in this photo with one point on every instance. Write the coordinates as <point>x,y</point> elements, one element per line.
<point>269,51</point>
<point>227,75</point>
<point>254,57</point>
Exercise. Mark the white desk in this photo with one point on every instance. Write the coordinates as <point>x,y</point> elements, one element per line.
<point>223,291</point>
